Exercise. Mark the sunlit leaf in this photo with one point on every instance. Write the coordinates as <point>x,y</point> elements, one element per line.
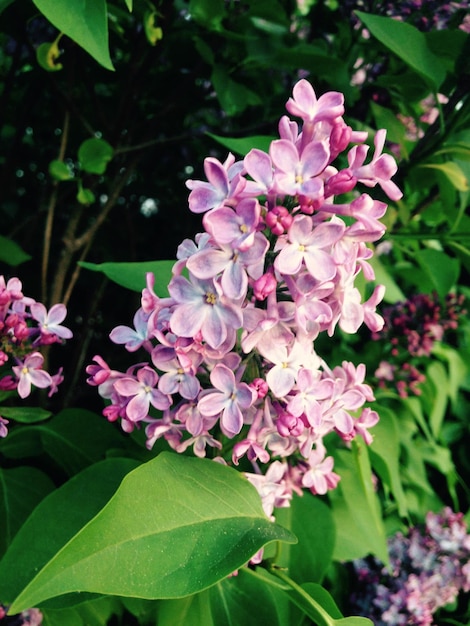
<point>176,525</point>
<point>452,172</point>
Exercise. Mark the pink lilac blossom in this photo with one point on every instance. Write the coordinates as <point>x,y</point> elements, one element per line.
<point>231,351</point>
<point>25,327</point>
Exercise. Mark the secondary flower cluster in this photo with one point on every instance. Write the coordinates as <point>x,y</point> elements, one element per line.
<point>410,331</point>
<point>429,568</point>
<point>231,360</point>
<point>26,326</point>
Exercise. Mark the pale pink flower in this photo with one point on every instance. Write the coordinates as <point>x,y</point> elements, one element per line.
<point>319,477</point>
<point>49,321</point>
<point>133,338</point>
<point>307,246</point>
<point>201,307</point>
<point>379,171</point>
<point>298,174</point>
<point>229,399</point>
<point>3,429</point>
<point>142,392</point>
<point>236,227</point>
<point>305,104</point>
<point>30,372</point>
<point>224,183</point>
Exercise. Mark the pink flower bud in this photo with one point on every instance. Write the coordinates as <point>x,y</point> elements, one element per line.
<point>264,285</point>
<point>288,425</point>
<point>260,387</point>
<point>278,220</point>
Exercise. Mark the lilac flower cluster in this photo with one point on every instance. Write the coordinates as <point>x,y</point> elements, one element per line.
<point>26,326</point>
<point>410,331</point>
<point>31,617</point>
<point>430,567</point>
<point>230,352</point>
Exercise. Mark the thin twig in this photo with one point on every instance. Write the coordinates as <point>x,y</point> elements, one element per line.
<point>51,211</point>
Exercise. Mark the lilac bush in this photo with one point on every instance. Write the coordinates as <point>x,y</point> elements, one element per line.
<point>230,360</point>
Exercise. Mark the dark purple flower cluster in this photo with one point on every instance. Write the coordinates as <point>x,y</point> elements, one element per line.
<point>425,15</point>
<point>410,331</point>
<point>429,568</point>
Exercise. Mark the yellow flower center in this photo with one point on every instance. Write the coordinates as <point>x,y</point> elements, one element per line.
<point>211,298</point>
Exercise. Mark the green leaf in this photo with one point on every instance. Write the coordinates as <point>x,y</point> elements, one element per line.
<point>452,172</point>
<point>94,155</point>
<point>243,146</point>
<point>129,5</point>
<point>312,523</point>
<point>152,31</point>
<point>436,376</point>
<point>25,414</point>
<point>85,196</point>
<point>176,526</point>
<point>133,275</point>
<point>247,599</point>
<point>209,13</point>
<point>385,455</point>
<point>234,97</point>
<point>21,489</point>
<point>66,439</point>
<point>93,612</point>
<point>355,508</point>
<point>47,55</point>
<point>441,269</point>
<point>59,170</point>
<point>408,43</point>
<point>84,21</point>
<point>56,519</point>
<point>393,293</point>
<point>11,253</point>
<point>193,610</point>
<point>458,368</point>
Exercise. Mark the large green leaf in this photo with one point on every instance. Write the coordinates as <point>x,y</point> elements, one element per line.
<point>84,21</point>
<point>132,275</point>
<point>21,489</point>
<point>55,520</point>
<point>176,526</point>
<point>408,43</point>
